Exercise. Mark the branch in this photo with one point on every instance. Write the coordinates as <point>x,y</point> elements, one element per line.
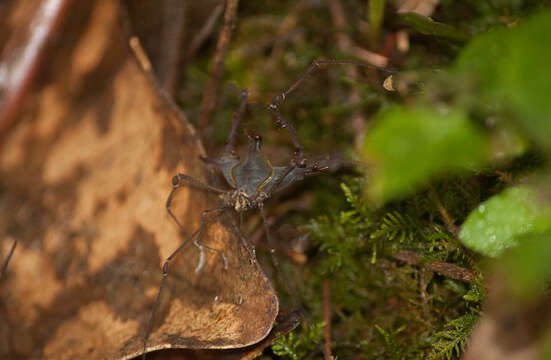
<point>443,212</point>
<point>449,270</point>
<point>209,95</point>
<point>327,319</point>
<point>171,39</point>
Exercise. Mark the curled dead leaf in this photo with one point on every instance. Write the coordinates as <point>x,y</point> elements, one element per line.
<point>84,178</point>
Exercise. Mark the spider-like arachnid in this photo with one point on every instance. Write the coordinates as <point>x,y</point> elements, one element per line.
<point>252,180</point>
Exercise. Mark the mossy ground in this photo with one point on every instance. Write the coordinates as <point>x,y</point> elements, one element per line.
<point>381,308</point>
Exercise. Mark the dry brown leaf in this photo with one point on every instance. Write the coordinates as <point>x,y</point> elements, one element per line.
<point>84,177</point>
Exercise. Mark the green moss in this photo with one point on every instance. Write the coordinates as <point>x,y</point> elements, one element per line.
<point>395,310</point>
<point>299,346</point>
<point>453,340</point>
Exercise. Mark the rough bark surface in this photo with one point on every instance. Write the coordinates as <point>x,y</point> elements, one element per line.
<point>84,176</point>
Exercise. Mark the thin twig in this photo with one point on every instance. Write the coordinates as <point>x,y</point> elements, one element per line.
<point>327,319</point>
<point>291,290</point>
<point>443,212</point>
<point>10,254</point>
<point>369,57</point>
<point>209,95</point>
<point>172,34</point>
<point>288,23</point>
<point>205,31</point>
<point>340,23</point>
<point>449,270</point>
<point>256,237</point>
<point>423,294</point>
<point>450,224</point>
<point>344,43</point>
<point>139,53</point>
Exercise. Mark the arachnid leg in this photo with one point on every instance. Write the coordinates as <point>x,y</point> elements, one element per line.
<point>280,98</point>
<point>236,118</point>
<point>299,152</point>
<point>275,261</point>
<point>293,173</point>
<point>197,243</point>
<point>315,168</point>
<point>283,179</point>
<point>197,234</point>
<point>201,247</point>
<point>6,262</point>
<point>177,181</point>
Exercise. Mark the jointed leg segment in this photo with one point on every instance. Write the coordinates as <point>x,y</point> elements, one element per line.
<point>197,241</point>
<point>280,98</point>
<point>236,118</point>
<point>177,181</point>
<point>275,261</point>
<point>194,237</point>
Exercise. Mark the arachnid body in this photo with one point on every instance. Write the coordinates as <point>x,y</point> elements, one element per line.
<point>252,180</point>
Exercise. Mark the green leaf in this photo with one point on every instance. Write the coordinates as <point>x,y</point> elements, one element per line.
<point>425,25</point>
<point>547,344</point>
<point>511,69</point>
<point>527,266</point>
<point>410,146</point>
<point>507,144</point>
<point>495,225</point>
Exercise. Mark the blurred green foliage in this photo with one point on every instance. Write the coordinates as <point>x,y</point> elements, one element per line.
<point>428,26</point>
<point>527,266</point>
<point>510,69</point>
<point>408,146</point>
<point>375,13</point>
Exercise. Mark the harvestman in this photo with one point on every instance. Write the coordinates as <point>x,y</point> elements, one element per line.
<point>253,180</point>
